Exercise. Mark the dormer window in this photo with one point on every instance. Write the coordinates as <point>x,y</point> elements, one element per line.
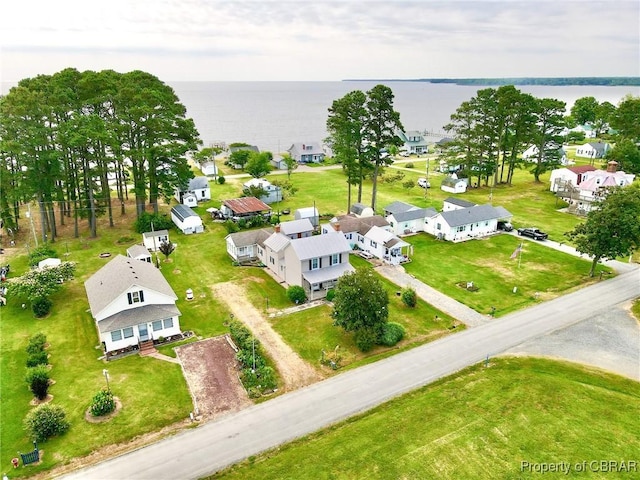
<point>135,297</point>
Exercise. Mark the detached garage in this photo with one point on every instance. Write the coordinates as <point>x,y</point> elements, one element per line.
<point>186,219</point>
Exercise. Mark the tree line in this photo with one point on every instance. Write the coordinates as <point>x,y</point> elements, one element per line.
<point>67,139</point>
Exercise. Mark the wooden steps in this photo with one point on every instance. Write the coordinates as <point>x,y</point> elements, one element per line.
<point>147,347</point>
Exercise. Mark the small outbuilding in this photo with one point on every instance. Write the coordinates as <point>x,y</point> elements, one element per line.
<point>153,240</point>
<point>453,184</point>
<point>310,213</point>
<point>49,262</point>
<point>139,252</point>
<point>361,210</point>
<point>186,219</point>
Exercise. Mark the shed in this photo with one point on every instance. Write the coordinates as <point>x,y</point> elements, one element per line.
<point>310,213</point>
<point>139,252</point>
<point>186,219</point>
<point>453,184</point>
<point>153,240</point>
<point>49,262</point>
<point>209,168</point>
<point>361,210</point>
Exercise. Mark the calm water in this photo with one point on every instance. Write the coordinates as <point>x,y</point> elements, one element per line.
<point>273,115</point>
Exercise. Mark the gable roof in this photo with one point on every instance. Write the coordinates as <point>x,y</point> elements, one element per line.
<point>451,181</point>
<point>182,211</point>
<point>415,214</point>
<point>250,237</point>
<point>306,212</point>
<point>320,245</point>
<point>137,251</point>
<point>581,168</point>
<point>351,223</point>
<point>384,237</point>
<point>599,147</point>
<point>119,275</point>
<point>358,208</point>
<point>251,148</point>
<point>503,212</point>
<point>306,148</point>
<point>293,227</point>
<point>157,233</point>
<point>465,216</point>
<point>398,206</point>
<point>246,205</point>
<point>459,202</point>
<point>277,241</point>
<point>198,183</point>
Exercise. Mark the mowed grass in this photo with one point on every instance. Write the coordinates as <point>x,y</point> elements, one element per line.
<point>311,331</point>
<point>478,424</point>
<point>537,273</point>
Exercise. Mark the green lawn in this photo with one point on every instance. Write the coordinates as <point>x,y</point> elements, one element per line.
<point>478,424</point>
<point>488,264</point>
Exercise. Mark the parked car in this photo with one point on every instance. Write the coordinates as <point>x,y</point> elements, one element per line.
<point>505,226</point>
<point>532,233</point>
<point>422,182</point>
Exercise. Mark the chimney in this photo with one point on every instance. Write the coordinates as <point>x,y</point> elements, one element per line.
<point>336,226</point>
<point>277,228</point>
<point>612,166</point>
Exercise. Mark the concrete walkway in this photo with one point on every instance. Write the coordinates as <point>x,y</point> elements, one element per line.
<point>162,356</point>
<point>448,305</point>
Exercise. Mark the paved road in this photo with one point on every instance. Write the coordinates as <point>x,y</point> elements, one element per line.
<point>195,453</point>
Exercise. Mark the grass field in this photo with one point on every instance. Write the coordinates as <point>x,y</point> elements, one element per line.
<point>478,424</point>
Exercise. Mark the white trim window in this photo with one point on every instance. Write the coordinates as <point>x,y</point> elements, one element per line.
<point>314,264</point>
<point>168,323</point>
<point>116,335</point>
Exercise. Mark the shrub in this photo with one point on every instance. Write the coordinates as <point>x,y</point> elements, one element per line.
<point>41,307</point>
<point>46,421</point>
<point>296,294</point>
<point>392,333</point>
<point>221,180</point>
<point>240,335</point>
<point>409,165</point>
<point>409,297</point>
<point>40,253</point>
<point>160,222</point>
<point>103,403</point>
<point>274,220</point>
<point>365,339</point>
<point>37,358</point>
<point>37,343</point>
<point>330,294</point>
<point>231,226</point>
<point>242,223</point>
<point>38,380</point>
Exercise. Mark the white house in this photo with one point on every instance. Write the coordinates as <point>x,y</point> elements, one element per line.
<point>295,229</point>
<point>314,263</point>
<point>311,152</point>
<point>209,168</point>
<point>139,252</point>
<point>353,228</point>
<point>198,189</point>
<point>243,246</point>
<point>531,155</point>
<point>414,142</point>
<point>466,223</point>
<point>153,240</point>
<point>592,150</point>
<point>131,303</point>
<point>405,218</point>
<point>310,213</point>
<point>563,177</point>
<point>278,162</point>
<point>272,193</point>
<point>453,184</point>
<point>186,220</point>
<point>386,246</point>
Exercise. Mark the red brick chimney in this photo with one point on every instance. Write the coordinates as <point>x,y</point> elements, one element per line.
<point>277,228</point>
<point>612,166</point>
<point>336,226</point>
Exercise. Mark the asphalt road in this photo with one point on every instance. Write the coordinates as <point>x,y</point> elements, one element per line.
<point>199,452</point>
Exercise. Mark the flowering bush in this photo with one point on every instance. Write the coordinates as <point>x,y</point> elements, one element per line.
<point>103,403</point>
<point>46,421</point>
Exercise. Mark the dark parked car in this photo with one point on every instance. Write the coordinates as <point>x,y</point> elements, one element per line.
<point>505,226</point>
<point>532,233</point>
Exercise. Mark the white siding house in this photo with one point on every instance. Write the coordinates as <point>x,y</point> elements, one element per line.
<point>131,303</point>
<point>209,168</point>
<point>311,152</point>
<point>139,252</point>
<point>466,223</point>
<point>186,219</point>
<point>245,246</point>
<point>197,189</point>
<point>310,213</point>
<point>272,193</point>
<point>405,218</point>
<point>592,150</point>
<point>453,184</point>
<point>153,240</point>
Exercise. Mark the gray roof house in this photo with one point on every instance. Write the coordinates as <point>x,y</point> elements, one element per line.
<point>453,203</point>
<point>467,223</point>
<point>243,246</point>
<point>132,304</point>
<point>414,142</point>
<point>197,188</point>
<point>139,252</point>
<point>406,219</point>
<point>310,152</point>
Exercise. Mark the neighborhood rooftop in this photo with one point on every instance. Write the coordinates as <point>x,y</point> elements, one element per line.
<point>182,212</point>
<point>246,205</point>
<point>415,214</point>
<point>293,227</point>
<point>320,245</point>
<point>459,202</point>
<point>477,213</point>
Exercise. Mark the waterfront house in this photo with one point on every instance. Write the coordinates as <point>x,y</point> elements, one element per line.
<point>413,142</point>
<point>310,152</point>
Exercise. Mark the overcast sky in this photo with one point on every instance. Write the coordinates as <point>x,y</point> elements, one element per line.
<point>321,40</point>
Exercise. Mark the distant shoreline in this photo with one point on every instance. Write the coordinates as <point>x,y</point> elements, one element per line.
<point>548,81</point>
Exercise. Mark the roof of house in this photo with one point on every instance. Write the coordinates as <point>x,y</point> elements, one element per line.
<point>134,316</point>
<point>246,205</point>
<point>306,212</point>
<point>465,216</point>
<point>459,202</point>
<point>450,181</point>
<point>293,227</point>
<point>581,168</point>
<point>384,237</point>
<point>327,273</point>
<point>198,183</point>
<point>137,251</point>
<point>157,233</point>
<point>306,148</point>
<point>503,212</point>
<point>320,245</point>
<point>251,148</point>
<point>351,223</point>
<point>358,208</point>
<point>250,237</point>
<point>183,212</point>
<point>118,276</point>
<point>599,147</point>
<point>258,182</point>
<point>277,241</point>
<point>398,206</point>
<point>415,214</point>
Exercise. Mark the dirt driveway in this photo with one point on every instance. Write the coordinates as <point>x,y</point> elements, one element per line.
<point>294,371</point>
<point>209,368</point>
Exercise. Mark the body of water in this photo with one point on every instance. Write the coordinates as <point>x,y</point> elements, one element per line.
<point>273,115</point>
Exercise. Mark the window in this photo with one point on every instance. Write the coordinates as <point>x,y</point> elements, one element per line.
<point>360,238</point>
<point>373,244</point>
<point>128,332</point>
<point>135,297</point>
<point>116,335</point>
<point>157,325</point>
<point>168,322</point>
<point>334,259</point>
<point>438,226</point>
<point>273,262</point>
<point>314,263</point>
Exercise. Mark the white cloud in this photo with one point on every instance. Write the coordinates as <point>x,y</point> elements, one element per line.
<point>330,40</point>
